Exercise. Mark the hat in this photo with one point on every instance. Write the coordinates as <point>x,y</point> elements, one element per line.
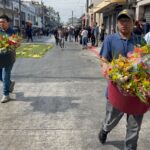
<point>126,12</point>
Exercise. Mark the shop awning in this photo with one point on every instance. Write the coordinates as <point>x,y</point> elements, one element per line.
<point>106,3</point>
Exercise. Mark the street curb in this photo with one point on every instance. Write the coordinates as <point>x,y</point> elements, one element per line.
<point>94,50</point>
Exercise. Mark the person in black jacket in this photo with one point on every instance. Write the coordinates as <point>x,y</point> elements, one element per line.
<point>7,60</point>
<point>29,32</point>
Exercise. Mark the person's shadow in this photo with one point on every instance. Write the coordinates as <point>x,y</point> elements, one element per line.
<point>49,104</point>
<point>117,144</point>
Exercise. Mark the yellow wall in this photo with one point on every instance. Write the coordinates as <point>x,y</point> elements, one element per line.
<point>105,3</point>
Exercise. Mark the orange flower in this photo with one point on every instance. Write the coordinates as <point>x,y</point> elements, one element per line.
<point>138,50</point>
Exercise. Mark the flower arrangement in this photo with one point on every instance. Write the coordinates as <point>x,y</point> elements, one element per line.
<point>9,43</point>
<point>132,74</point>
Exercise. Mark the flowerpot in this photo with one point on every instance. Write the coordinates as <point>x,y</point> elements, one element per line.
<point>126,103</point>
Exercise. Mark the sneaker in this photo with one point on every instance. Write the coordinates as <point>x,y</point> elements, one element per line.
<point>5,99</point>
<point>11,87</point>
<point>102,136</point>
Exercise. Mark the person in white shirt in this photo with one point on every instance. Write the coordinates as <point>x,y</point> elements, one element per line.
<point>61,37</point>
<point>147,38</point>
<point>84,35</point>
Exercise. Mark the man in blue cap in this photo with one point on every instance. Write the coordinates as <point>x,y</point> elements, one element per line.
<point>120,43</point>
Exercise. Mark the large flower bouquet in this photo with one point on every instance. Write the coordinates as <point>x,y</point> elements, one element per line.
<point>132,74</point>
<point>9,43</point>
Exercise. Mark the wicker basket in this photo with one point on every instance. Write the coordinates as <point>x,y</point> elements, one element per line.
<point>126,103</point>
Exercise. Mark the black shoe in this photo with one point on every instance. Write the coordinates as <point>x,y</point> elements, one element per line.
<point>102,136</point>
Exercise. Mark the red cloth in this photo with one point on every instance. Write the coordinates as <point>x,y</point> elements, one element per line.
<point>127,104</point>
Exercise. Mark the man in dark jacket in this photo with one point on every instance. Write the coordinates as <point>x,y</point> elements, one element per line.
<point>7,60</point>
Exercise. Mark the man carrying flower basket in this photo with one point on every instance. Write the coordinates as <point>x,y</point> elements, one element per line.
<point>8,43</point>
<point>116,46</point>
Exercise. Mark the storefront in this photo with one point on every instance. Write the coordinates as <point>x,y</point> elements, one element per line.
<point>110,10</point>
<point>147,13</point>
<point>143,10</point>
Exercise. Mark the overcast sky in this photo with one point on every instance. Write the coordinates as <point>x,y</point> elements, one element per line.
<point>65,7</point>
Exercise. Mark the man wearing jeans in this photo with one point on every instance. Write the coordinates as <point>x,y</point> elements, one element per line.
<point>6,60</point>
<point>114,45</point>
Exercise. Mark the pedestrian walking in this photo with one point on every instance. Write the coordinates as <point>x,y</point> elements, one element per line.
<point>145,25</point>
<point>56,36</point>
<point>93,39</point>
<point>96,34</point>
<point>29,32</point>
<point>6,64</point>
<point>66,34</point>
<point>61,37</point>
<point>115,44</point>
<point>147,38</point>
<point>137,30</point>
<point>76,34</point>
<point>84,35</point>
<point>70,34</point>
<point>89,34</point>
<point>102,32</point>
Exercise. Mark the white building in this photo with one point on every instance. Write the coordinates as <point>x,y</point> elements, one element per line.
<point>21,11</point>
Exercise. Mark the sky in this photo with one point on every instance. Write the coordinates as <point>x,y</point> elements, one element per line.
<point>65,8</point>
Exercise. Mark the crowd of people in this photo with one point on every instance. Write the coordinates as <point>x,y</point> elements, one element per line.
<point>142,28</point>
<point>93,35</point>
<point>85,35</point>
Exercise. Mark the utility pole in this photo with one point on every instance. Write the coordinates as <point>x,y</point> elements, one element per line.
<point>20,20</point>
<point>72,17</point>
<point>87,12</point>
<point>42,9</point>
<point>87,6</point>
<point>4,5</point>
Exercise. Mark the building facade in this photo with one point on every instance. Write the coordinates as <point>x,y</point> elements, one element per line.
<point>106,11</point>
<point>143,9</point>
<point>23,11</point>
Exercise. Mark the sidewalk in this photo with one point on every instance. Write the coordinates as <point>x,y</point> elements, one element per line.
<point>96,50</point>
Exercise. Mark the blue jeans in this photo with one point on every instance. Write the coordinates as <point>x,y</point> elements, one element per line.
<point>84,41</point>
<point>5,74</point>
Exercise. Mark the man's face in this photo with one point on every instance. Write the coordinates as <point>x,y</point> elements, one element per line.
<point>4,24</point>
<point>125,25</point>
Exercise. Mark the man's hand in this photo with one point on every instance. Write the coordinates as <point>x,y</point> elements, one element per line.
<point>104,66</point>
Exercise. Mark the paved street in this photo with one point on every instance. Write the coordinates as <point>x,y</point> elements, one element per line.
<point>60,104</point>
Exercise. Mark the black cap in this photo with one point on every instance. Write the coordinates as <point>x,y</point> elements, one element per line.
<point>126,13</point>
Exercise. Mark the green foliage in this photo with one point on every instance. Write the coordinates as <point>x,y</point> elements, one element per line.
<point>32,50</point>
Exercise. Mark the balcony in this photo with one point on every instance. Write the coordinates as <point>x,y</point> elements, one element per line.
<point>104,4</point>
